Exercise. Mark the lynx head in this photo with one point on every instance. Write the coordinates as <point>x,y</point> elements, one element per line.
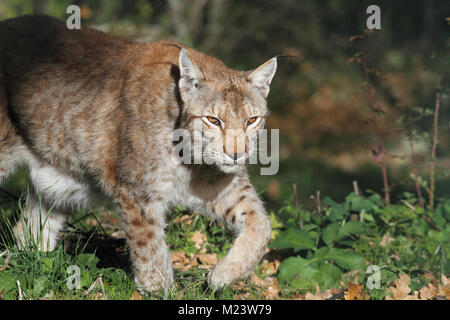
<point>224,108</point>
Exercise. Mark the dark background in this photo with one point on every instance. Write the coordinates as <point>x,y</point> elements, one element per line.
<point>318,99</point>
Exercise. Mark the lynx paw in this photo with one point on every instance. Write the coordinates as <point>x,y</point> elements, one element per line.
<point>224,274</point>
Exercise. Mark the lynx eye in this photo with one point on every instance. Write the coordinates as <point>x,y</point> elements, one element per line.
<point>251,121</point>
<point>214,121</point>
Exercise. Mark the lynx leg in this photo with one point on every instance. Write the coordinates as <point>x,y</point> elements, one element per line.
<point>38,225</point>
<point>243,212</point>
<point>144,226</point>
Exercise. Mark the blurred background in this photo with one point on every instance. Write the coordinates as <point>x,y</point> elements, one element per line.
<point>318,98</point>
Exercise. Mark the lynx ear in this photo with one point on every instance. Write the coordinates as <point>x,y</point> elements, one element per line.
<point>190,74</point>
<point>262,76</point>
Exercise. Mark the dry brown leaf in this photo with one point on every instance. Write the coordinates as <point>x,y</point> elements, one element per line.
<point>386,239</point>
<point>136,296</point>
<point>90,222</point>
<point>355,292</point>
<point>401,290</point>
<point>429,291</point>
<point>270,267</point>
<point>97,296</point>
<point>198,238</point>
<point>258,281</point>
<point>184,219</point>
<point>1,293</point>
<point>319,295</point>
<point>207,260</point>
<point>272,292</point>
<point>181,261</point>
<point>178,257</point>
<point>444,290</point>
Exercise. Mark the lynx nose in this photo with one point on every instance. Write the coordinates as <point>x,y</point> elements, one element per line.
<point>235,156</point>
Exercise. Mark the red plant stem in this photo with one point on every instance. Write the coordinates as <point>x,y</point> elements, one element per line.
<point>416,173</point>
<point>381,151</point>
<point>434,143</point>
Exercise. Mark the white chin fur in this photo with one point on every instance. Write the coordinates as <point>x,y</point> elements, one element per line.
<point>228,168</point>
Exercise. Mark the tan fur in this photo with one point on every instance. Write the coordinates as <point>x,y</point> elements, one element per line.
<point>91,114</point>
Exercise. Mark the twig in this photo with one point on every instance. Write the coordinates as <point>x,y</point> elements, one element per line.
<point>297,206</point>
<point>427,219</point>
<point>416,173</point>
<point>97,282</point>
<point>379,152</point>
<point>316,200</point>
<point>435,142</point>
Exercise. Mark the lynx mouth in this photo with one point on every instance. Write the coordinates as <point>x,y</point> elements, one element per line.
<point>229,168</point>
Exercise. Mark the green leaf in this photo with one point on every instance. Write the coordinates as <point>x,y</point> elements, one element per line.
<point>293,238</point>
<point>351,227</point>
<point>7,281</point>
<point>302,273</point>
<point>87,260</point>
<point>346,259</point>
<point>321,253</point>
<point>39,285</point>
<point>327,276</point>
<point>86,279</point>
<point>356,202</point>
<point>330,233</point>
<point>47,265</point>
<point>297,273</point>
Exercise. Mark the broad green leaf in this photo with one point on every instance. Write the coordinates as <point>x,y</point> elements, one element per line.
<point>356,202</point>
<point>7,281</point>
<point>88,261</point>
<point>346,259</point>
<point>321,253</point>
<point>293,238</point>
<point>351,227</point>
<point>330,233</point>
<point>39,285</point>
<point>297,273</point>
<point>327,276</point>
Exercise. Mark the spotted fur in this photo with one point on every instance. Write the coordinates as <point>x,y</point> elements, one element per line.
<point>91,116</point>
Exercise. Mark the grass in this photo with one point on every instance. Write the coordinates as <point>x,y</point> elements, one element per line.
<point>329,253</point>
<point>93,241</point>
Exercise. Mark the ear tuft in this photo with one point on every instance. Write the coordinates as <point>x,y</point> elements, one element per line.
<point>262,76</point>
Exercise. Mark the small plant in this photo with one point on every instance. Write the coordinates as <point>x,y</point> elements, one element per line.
<point>343,243</point>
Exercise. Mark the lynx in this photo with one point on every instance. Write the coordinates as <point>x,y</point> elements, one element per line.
<point>90,114</point>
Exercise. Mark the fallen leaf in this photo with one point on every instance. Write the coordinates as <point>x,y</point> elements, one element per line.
<point>270,267</point>
<point>401,290</point>
<point>386,239</point>
<point>91,222</point>
<point>444,290</point>
<point>98,296</point>
<point>254,279</point>
<point>272,292</point>
<point>318,295</point>
<point>429,291</point>
<point>208,259</point>
<point>355,292</point>
<point>136,296</point>
<point>184,219</point>
<point>198,238</point>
